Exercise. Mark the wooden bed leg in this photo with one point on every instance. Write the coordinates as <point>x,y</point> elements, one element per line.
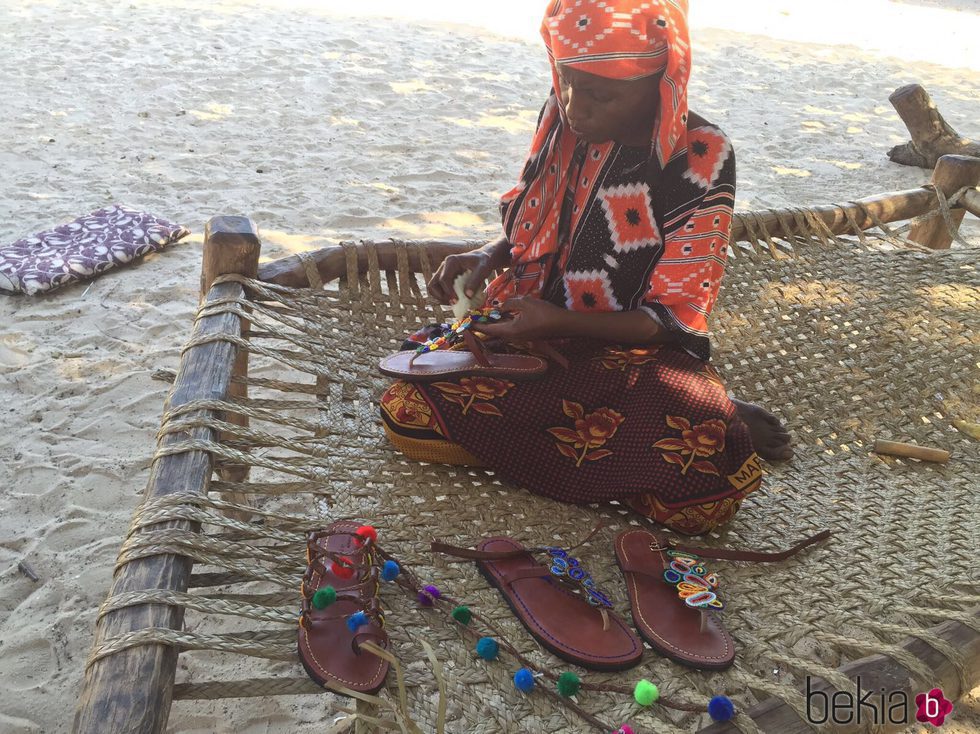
<point>932,137</point>
<point>232,247</point>
<point>971,202</point>
<point>952,173</point>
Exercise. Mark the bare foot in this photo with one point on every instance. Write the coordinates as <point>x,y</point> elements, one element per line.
<point>770,438</point>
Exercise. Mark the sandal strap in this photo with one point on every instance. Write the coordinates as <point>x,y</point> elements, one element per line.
<point>529,572</point>
<point>470,554</point>
<point>476,347</point>
<point>316,565</point>
<point>638,565</point>
<point>545,349</point>
<point>752,556</point>
<point>379,636</point>
<point>477,555</point>
<point>551,567</point>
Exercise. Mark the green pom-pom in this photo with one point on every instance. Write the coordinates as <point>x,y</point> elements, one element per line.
<point>463,615</point>
<point>324,597</point>
<point>646,693</point>
<point>568,684</point>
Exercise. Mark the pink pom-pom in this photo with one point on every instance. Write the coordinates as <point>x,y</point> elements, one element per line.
<point>624,729</point>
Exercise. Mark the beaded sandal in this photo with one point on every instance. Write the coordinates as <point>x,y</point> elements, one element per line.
<point>440,357</point>
<point>674,597</point>
<point>558,602</point>
<point>341,618</point>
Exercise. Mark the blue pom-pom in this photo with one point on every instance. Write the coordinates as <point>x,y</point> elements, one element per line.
<point>721,708</point>
<point>524,680</point>
<point>390,571</point>
<point>487,648</point>
<point>356,621</point>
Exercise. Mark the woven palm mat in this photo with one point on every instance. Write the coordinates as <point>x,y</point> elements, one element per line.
<point>845,343</point>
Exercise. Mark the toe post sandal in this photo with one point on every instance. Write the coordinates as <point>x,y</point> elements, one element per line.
<point>341,617</point>
<point>675,598</point>
<point>557,601</point>
<point>439,358</point>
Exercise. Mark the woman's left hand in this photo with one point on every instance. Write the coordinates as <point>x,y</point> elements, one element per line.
<point>532,319</point>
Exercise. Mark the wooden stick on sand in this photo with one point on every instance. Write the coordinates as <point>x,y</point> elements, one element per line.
<point>911,451</point>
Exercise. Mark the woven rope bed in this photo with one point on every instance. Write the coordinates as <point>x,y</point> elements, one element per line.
<point>850,340</point>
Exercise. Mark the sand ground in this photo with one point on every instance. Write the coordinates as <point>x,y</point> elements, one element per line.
<point>324,123</point>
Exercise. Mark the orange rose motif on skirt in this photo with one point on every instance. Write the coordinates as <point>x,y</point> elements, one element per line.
<point>619,359</point>
<point>471,389</point>
<point>591,432</point>
<point>406,407</point>
<point>703,440</point>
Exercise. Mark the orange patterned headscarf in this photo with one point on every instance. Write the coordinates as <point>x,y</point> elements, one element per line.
<point>617,39</point>
<point>628,39</point>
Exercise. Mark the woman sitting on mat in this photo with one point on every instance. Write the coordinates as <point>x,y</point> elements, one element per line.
<point>614,243</point>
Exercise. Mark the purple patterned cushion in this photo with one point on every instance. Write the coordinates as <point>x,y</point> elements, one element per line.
<point>83,249</point>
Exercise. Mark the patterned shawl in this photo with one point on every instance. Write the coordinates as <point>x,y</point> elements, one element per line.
<point>589,224</point>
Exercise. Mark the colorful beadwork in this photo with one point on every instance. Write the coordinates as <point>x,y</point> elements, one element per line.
<point>566,566</point>
<point>455,333</point>
<point>694,583</point>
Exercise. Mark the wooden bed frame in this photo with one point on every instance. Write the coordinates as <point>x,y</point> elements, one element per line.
<point>131,691</point>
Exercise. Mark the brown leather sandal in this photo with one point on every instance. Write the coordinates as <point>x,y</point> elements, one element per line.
<point>341,611</point>
<point>674,597</point>
<point>416,366</point>
<point>558,603</point>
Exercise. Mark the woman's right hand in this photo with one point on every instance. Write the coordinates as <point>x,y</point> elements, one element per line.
<point>441,285</point>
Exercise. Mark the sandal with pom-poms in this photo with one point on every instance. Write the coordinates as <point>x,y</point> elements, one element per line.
<point>341,619</point>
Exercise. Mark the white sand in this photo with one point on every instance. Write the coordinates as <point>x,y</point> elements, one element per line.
<point>321,126</point>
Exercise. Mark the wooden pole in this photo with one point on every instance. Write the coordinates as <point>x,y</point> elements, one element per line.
<point>910,450</point>
<point>971,202</point>
<point>109,701</point>
<point>890,207</point>
<point>232,247</point>
<point>932,137</point>
<point>953,172</point>
<point>878,672</point>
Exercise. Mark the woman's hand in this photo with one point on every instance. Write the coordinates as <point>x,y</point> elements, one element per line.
<point>441,285</point>
<point>482,263</point>
<point>532,319</point>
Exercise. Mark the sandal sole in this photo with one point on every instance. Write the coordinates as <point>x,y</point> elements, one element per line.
<point>655,644</point>
<point>545,643</point>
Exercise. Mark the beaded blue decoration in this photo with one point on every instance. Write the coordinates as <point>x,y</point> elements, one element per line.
<point>454,333</point>
<point>566,566</point>
<point>697,586</point>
